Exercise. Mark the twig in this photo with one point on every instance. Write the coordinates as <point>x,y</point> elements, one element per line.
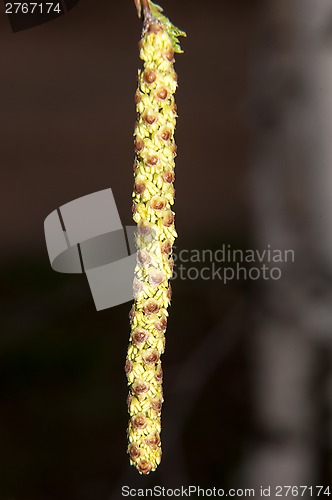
<point>142,4</point>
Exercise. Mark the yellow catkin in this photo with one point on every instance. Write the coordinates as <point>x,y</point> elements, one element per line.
<point>153,198</point>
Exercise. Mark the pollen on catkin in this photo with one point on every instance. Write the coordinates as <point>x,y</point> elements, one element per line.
<point>153,198</point>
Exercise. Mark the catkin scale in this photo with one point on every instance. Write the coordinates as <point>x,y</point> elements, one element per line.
<point>153,197</point>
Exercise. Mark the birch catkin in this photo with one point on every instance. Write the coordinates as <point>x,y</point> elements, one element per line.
<point>153,197</point>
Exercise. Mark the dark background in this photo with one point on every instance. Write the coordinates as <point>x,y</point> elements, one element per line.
<point>67,117</point>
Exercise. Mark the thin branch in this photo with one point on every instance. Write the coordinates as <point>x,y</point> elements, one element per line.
<point>142,4</point>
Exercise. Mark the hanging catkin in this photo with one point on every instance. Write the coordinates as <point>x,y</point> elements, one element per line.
<point>153,197</point>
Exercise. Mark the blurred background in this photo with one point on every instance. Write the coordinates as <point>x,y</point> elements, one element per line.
<point>248,364</point>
